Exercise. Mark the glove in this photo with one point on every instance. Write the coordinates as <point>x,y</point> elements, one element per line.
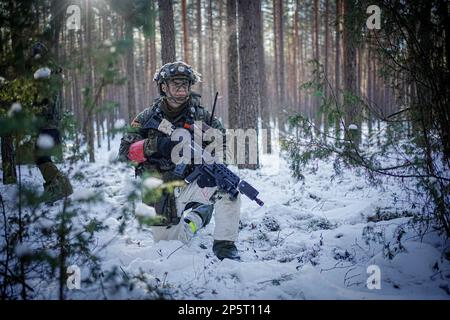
<point>136,152</point>
<point>192,222</point>
<point>164,146</point>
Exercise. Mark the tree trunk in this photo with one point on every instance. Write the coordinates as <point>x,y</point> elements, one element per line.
<point>277,62</point>
<point>212,55</point>
<point>222,78</point>
<point>232,66</point>
<point>185,32</point>
<point>130,71</point>
<point>294,58</point>
<point>249,75</point>
<point>199,43</point>
<point>350,85</point>
<point>153,62</point>
<point>89,94</point>
<point>316,55</point>
<point>281,69</point>
<point>264,112</point>
<point>316,52</point>
<point>337,77</point>
<point>8,160</point>
<point>327,44</point>
<point>369,89</point>
<point>167,28</point>
<point>302,65</point>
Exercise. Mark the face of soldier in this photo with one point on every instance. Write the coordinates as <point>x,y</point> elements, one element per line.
<point>177,91</point>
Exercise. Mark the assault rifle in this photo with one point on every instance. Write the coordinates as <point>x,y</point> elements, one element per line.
<point>217,173</point>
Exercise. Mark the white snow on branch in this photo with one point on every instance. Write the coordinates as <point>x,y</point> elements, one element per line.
<point>152,183</point>
<point>42,73</point>
<point>119,124</point>
<point>144,210</point>
<point>23,249</point>
<point>15,108</point>
<point>45,141</point>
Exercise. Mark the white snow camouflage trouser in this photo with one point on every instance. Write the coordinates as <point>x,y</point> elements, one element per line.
<point>226,213</point>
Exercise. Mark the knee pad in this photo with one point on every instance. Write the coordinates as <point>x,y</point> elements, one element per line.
<point>205,211</point>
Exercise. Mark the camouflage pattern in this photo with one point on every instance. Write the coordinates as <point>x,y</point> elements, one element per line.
<point>175,70</point>
<point>150,145</point>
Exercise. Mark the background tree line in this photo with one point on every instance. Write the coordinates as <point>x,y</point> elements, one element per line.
<point>269,60</point>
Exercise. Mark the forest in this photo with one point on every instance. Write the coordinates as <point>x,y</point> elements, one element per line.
<point>349,101</point>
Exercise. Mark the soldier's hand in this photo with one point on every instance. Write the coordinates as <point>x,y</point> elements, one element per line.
<point>165,145</point>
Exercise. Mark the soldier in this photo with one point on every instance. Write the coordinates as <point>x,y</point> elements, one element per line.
<point>188,208</point>
<point>48,81</point>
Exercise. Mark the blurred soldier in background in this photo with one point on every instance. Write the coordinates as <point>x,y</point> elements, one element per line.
<point>48,103</point>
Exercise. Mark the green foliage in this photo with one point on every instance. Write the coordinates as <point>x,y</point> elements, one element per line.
<point>140,13</point>
<point>43,241</point>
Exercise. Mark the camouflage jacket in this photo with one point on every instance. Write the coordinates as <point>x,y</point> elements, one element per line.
<point>191,111</point>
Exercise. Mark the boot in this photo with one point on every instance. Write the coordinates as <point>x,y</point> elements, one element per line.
<point>225,249</point>
<point>56,186</point>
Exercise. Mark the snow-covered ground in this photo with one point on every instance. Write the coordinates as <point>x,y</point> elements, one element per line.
<point>313,239</point>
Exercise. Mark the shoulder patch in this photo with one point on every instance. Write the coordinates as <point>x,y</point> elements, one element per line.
<point>135,124</point>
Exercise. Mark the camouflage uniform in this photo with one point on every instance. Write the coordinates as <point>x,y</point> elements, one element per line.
<point>191,111</point>
<point>191,198</point>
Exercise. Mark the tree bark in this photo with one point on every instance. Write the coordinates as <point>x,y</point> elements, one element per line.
<point>131,96</point>
<point>199,43</point>
<point>327,44</point>
<point>185,32</point>
<point>264,105</point>
<point>337,77</point>
<point>89,94</point>
<point>8,160</point>
<point>232,66</point>
<point>350,85</point>
<point>249,74</point>
<point>212,55</point>
<point>167,28</point>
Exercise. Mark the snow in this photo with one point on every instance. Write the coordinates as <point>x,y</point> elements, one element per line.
<point>352,127</point>
<point>15,108</point>
<point>42,73</point>
<point>144,210</point>
<point>23,249</point>
<point>84,194</point>
<point>45,141</point>
<point>313,239</point>
<point>45,223</point>
<point>119,124</point>
<point>152,183</point>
